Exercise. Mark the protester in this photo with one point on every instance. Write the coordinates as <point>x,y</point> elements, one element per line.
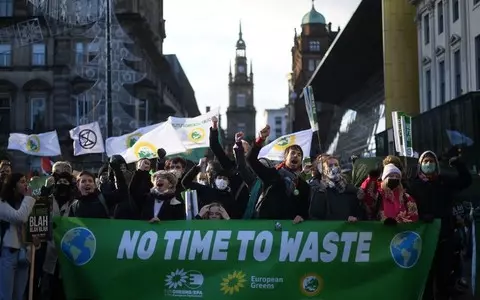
<point>5,170</point>
<point>434,194</point>
<point>219,191</point>
<point>213,211</point>
<point>15,206</point>
<point>286,195</point>
<point>238,186</point>
<point>177,165</point>
<point>395,204</point>
<point>332,197</point>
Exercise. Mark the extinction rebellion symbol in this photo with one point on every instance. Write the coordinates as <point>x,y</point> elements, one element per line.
<point>87,139</point>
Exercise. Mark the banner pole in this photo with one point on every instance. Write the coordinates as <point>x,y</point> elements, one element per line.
<point>32,272</point>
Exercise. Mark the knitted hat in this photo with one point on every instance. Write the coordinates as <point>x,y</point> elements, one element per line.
<point>390,169</point>
<point>170,176</point>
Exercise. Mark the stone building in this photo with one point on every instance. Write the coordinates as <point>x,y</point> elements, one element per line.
<point>38,81</point>
<point>309,48</point>
<point>241,111</point>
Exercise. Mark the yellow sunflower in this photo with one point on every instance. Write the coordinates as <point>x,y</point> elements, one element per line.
<point>233,283</point>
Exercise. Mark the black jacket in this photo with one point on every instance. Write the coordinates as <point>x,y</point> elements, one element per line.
<point>276,203</point>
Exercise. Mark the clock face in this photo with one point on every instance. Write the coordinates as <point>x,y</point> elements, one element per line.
<point>241,69</point>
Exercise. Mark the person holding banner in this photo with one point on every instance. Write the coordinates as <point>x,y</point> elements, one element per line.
<point>213,211</point>
<point>15,207</point>
<point>332,198</point>
<point>286,195</point>
<point>434,194</point>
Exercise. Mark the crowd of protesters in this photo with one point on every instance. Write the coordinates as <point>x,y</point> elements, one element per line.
<point>245,187</point>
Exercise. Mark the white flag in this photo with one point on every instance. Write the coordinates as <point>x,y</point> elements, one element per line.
<point>43,144</point>
<point>163,136</point>
<point>194,132</point>
<point>275,150</point>
<point>87,139</point>
<point>119,144</point>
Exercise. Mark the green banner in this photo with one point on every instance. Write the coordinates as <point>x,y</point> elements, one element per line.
<point>113,259</point>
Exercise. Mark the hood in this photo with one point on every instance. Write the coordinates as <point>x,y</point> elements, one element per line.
<point>429,153</point>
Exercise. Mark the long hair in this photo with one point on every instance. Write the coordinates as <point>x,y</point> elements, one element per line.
<point>8,189</point>
<point>389,193</point>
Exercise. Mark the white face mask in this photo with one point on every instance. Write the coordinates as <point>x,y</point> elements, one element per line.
<point>221,184</point>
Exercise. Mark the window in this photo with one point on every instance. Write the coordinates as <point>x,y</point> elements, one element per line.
<point>428,89</point>
<point>441,81</point>
<point>455,10</point>
<point>79,53</point>
<point>241,127</point>
<point>38,55</point>
<point>477,56</point>
<point>458,73</point>
<point>84,107</point>
<point>278,132</point>
<point>5,102</point>
<point>278,121</point>
<point>93,50</point>
<point>37,113</point>
<point>440,17</point>
<point>241,100</point>
<point>6,8</point>
<point>141,112</point>
<point>311,65</point>
<point>314,46</point>
<point>5,55</point>
<point>426,29</point>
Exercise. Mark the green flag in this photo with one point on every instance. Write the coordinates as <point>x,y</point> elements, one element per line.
<point>105,259</point>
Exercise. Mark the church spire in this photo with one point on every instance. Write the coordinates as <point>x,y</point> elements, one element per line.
<point>240,33</point>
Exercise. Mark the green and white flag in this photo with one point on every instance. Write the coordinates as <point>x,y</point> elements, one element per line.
<point>311,108</point>
<point>43,144</point>
<point>402,132</point>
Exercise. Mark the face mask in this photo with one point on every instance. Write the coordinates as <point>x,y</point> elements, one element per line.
<point>334,174</point>
<point>393,183</point>
<point>428,168</point>
<point>221,184</point>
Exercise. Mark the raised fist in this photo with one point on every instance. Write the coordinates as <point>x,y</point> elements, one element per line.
<point>161,153</point>
<point>239,137</point>
<point>214,122</point>
<point>265,132</point>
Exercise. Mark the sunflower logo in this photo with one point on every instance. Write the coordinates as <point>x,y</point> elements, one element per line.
<point>176,279</point>
<point>233,283</point>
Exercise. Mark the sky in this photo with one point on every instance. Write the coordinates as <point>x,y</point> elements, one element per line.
<point>203,35</point>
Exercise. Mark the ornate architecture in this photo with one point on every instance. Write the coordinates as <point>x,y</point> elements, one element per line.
<point>309,48</point>
<point>241,110</point>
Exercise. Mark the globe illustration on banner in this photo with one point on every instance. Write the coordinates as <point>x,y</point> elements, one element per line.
<point>78,245</point>
<point>406,248</point>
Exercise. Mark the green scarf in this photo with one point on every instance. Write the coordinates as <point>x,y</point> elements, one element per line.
<point>252,200</point>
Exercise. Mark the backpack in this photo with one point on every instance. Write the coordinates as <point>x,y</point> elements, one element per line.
<point>101,198</point>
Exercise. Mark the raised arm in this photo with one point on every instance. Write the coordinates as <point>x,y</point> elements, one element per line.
<point>247,175</point>
<point>463,179</point>
<point>161,153</point>
<point>226,163</point>
<point>266,174</point>
<point>188,181</point>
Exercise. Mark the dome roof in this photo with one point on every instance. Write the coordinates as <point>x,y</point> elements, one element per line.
<point>313,17</point>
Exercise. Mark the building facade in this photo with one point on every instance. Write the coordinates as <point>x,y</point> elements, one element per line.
<point>309,48</point>
<point>41,87</point>
<point>448,49</point>
<point>241,110</point>
<point>277,119</point>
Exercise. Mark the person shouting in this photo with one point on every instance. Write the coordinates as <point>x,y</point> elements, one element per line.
<point>286,195</point>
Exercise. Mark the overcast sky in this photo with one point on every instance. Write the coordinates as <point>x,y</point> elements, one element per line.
<point>203,35</point>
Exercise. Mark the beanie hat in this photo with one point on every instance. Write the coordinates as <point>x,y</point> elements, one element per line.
<point>390,169</point>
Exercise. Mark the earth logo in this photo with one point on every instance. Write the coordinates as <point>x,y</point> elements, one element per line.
<point>79,244</point>
<point>406,248</point>
<point>311,284</point>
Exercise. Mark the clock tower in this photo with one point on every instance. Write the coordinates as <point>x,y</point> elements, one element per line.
<point>241,111</point>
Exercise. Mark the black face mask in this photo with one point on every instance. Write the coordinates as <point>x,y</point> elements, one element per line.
<point>393,183</point>
<point>62,190</point>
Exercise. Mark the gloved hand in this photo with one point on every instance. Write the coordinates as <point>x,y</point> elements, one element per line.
<point>390,222</point>
<point>454,161</point>
<point>161,153</point>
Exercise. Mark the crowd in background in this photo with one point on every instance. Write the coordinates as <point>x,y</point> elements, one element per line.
<point>245,187</point>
